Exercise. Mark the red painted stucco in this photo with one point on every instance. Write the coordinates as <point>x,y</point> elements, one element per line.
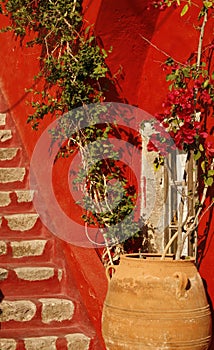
<point>135,65</point>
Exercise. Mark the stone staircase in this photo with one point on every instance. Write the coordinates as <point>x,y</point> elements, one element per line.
<point>41,309</point>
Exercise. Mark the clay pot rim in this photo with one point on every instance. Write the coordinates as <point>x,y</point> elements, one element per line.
<point>155,257</point>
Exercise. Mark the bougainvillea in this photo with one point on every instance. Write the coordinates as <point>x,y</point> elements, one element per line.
<point>189,101</point>
<point>185,111</point>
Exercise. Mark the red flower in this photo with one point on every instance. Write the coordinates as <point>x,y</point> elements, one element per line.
<point>151,147</point>
<point>205,97</point>
<point>209,149</point>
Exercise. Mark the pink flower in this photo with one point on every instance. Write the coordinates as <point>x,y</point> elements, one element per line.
<point>203,134</point>
<point>209,149</point>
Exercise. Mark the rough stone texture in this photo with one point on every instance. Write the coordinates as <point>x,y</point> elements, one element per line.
<point>7,344</point>
<point>54,309</point>
<point>8,153</point>
<point>3,248</point>
<point>41,343</point>
<point>34,273</point>
<point>3,274</point>
<point>5,199</point>
<point>77,341</point>
<point>8,175</point>
<point>153,209</point>
<point>21,222</point>
<point>5,135</point>
<point>24,196</point>
<point>2,119</point>
<point>28,248</point>
<point>19,310</point>
<point>60,274</point>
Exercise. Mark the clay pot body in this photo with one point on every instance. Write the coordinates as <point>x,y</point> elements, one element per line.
<point>156,304</point>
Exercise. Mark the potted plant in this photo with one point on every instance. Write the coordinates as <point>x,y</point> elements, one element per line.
<point>72,69</point>
<point>157,301</point>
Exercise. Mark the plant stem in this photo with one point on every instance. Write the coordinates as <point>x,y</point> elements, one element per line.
<point>200,42</point>
<point>180,226</point>
<point>160,50</point>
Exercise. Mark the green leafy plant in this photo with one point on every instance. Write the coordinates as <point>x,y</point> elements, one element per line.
<point>71,62</point>
<point>71,72</point>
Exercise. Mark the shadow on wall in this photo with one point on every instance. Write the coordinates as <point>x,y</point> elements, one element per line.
<point>1,298</point>
<point>121,25</point>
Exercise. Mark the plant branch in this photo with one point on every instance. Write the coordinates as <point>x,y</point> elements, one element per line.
<point>160,50</point>
<point>200,42</point>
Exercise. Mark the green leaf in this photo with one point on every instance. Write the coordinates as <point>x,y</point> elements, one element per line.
<point>201,147</point>
<point>210,172</point>
<point>104,53</point>
<point>208,181</point>
<point>203,166</point>
<point>87,29</point>
<point>170,77</point>
<point>184,10</point>
<point>208,4</point>
<point>197,155</point>
<point>206,83</point>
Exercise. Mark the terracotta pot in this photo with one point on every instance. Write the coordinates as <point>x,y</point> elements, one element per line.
<point>156,304</point>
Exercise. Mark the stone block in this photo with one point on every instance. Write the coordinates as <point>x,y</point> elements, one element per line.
<point>5,199</point>
<point>54,309</point>
<point>7,344</point>
<point>77,341</point>
<point>3,274</point>
<point>24,196</point>
<point>2,119</point>
<point>8,175</point>
<point>5,135</point>
<point>21,222</point>
<point>18,310</point>
<point>8,153</point>
<point>27,248</point>
<point>40,343</point>
<point>34,273</point>
<point>3,248</point>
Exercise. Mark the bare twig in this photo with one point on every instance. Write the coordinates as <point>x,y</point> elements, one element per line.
<point>160,50</point>
<point>200,42</point>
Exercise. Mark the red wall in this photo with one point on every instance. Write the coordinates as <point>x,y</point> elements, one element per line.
<point>122,24</point>
<point>134,63</point>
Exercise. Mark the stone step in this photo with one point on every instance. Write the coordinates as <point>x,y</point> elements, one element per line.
<point>5,135</point>
<point>2,119</point>
<point>36,312</point>
<point>19,200</point>
<point>19,222</point>
<point>19,250</point>
<point>10,157</point>
<point>7,154</point>
<point>34,279</point>
<point>54,341</point>
<point>12,177</point>
<point>29,273</point>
